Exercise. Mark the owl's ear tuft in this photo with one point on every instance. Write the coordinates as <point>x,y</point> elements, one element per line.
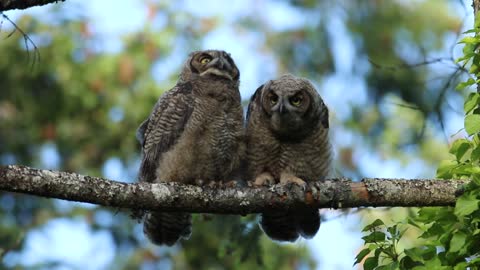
<point>252,100</point>
<point>324,119</point>
<point>192,66</point>
<point>257,91</point>
<point>257,95</point>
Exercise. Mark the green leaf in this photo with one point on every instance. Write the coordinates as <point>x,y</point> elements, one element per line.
<point>427,214</point>
<point>460,147</point>
<point>471,102</point>
<point>469,49</point>
<point>374,237</point>
<point>470,31</point>
<point>390,266</point>
<point>457,241</point>
<point>407,263</point>
<point>474,262</point>
<point>466,169</point>
<point>472,124</point>
<point>461,266</point>
<point>466,204</point>
<point>370,263</point>
<point>417,256</point>
<point>414,254</point>
<point>429,252</point>
<point>475,155</point>
<point>474,67</point>
<point>434,231</point>
<point>445,168</point>
<point>374,224</point>
<point>469,39</point>
<point>362,254</point>
<point>465,84</point>
<point>434,263</point>
<point>434,215</point>
<point>475,181</point>
<point>393,231</point>
<point>466,56</point>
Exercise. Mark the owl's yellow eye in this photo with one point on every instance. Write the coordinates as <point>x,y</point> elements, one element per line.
<point>205,60</point>
<point>296,100</point>
<point>273,99</point>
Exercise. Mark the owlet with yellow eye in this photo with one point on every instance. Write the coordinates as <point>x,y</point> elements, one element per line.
<point>194,132</point>
<point>287,142</point>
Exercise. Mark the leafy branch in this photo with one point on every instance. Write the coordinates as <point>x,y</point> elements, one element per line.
<point>450,235</point>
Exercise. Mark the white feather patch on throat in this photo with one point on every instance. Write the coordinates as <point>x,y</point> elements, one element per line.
<point>217,72</point>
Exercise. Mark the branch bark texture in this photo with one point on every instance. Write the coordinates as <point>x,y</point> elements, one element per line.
<point>334,193</point>
<point>24,4</point>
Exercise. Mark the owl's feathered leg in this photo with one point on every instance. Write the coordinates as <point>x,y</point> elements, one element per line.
<point>276,225</point>
<point>167,228</point>
<point>307,221</point>
<point>279,226</point>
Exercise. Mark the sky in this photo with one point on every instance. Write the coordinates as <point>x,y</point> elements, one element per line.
<point>73,241</point>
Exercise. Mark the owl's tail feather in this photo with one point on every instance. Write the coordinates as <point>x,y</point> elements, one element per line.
<point>308,222</point>
<point>279,226</point>
<point>167,228</point>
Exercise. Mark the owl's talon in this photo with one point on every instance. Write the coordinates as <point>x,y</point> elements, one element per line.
<point>286,178</point>
<point>264,179</point>
<point>199,182</point>
<point>213,184</point>
<point>232,184</point>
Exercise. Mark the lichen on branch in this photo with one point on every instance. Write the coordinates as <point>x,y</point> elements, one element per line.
<point>171,196</point>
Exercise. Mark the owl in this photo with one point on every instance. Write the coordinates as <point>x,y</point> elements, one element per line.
<point>194,133</point>
<point>287,142</point>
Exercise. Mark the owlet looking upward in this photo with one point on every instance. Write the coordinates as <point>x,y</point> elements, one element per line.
<point>195,132</point>
<point>287,142</point>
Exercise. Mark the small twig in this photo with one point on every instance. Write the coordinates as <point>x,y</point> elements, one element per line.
<point>403,105</point>
<point>26,39</point>
<point>423,63</point>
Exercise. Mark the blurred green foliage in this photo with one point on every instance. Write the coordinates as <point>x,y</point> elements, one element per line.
<point>449,236</point>
<point>86,104</point>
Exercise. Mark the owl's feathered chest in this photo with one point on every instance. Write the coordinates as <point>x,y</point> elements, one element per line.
<point>211,136</point>
<point>221,90</point>
<point>308,158</point>
<point>216,119</point>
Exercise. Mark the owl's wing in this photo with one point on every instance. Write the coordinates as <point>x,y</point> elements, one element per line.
<point>251,104</point>
<point>161,130</point>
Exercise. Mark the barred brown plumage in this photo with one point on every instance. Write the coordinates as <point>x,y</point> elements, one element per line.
<point>287,142</point>
<point>195,132</point>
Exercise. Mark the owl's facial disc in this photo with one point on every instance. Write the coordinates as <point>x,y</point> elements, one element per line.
<point>288,103</point>
<point>287,110</point>
<point>218,63</point>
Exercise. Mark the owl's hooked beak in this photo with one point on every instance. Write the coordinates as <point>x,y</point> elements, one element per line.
<point>282,109</point>
<point>219,67</point>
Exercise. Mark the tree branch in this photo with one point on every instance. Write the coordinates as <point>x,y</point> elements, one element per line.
<point>24,4</point>
<point>334,193</point>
